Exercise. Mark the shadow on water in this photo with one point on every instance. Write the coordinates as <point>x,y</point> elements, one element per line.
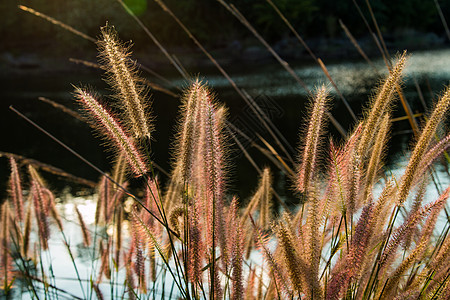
<point>275,92</point>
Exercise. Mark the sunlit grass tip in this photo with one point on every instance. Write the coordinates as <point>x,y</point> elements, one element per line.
<point>106,124</point>
<point>311,141</point>
<point>421,147</point>
<point>123,77</point>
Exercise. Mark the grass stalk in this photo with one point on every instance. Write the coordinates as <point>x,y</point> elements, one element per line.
<point>341,242</point>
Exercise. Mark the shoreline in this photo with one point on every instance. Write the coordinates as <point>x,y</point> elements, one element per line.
<point>249,52</point>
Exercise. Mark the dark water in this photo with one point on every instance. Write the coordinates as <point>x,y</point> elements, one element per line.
<point>280,97</point>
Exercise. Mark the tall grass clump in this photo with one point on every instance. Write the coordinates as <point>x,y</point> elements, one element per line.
<point>353,234</point>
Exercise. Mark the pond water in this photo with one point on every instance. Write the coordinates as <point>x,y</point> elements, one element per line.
<point>65,275</point>
<point>281,98</point>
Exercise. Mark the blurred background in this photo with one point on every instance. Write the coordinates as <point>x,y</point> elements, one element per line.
<point>410,23</point>
<point>37,60</point>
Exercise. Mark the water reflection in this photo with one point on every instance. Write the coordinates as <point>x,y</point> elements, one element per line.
<point>350,77</point>
<point>88,263</point>
<point>354,79</point>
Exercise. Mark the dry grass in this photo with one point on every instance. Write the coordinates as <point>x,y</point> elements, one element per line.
<point>342,242</point>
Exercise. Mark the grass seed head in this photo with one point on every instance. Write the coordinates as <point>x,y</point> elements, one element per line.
<point>123,77</point>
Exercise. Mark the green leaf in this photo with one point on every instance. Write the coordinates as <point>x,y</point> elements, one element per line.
<point>138,7</point>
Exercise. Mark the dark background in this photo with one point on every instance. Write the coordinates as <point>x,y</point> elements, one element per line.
<point>211,23</point>
<point>34,61</point>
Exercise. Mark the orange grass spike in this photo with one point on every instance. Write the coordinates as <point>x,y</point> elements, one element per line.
<point>310,144</point>
<point>421,147</point>
<point>16,189</point>
<point>106,124</point>
<point>123,77</point>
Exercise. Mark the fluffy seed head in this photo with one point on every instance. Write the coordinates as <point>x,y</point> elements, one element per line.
<point>381,105</point>
<point>41,212</point>
<point>123,77</point>
<point>305,170</point>
<point>377,155</point>
<point>422,145</point>
<point>293,262</point>
<point>106,124</point>
<point>84,229</point>
<point>16,189</point>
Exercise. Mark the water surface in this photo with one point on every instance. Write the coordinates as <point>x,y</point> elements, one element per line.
<point>278,95</point>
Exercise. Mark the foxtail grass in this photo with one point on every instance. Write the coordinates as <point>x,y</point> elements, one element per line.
<point>382,103</point>
<point>425,138</point>
<point>112,129</point>
<point>16,189</point>
<point>122,76</point>
<point>353,235</point>
<point>311,141</point>
<point>84,229</point>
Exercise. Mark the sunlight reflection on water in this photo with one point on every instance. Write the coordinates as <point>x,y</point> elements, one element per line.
<point>65,275</point>
<point>350,77</point>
